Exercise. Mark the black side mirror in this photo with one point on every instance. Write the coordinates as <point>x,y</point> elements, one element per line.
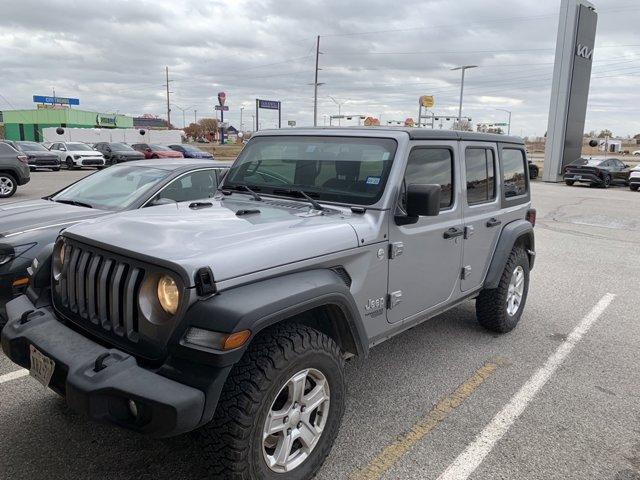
<point>422,201</point>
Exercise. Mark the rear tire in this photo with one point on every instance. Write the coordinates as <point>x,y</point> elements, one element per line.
<point>606,181</point>
<point>8,185</point>
<point>634,187</point>
<point>569,182</point>
<point>494,309</point>
<point>70,164</point>
<point>260,391</point>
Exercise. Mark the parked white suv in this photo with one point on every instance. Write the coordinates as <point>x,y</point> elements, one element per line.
<point>634,179</point>
<point>77,154</point>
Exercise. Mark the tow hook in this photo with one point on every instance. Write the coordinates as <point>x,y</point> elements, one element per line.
<point>29,315</point>
<point>99,363</point>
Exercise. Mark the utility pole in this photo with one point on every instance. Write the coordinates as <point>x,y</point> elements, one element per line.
<point>241,124</point>
<point>463,68</point>
<point>316,84</point>
<point>195,116</point>
<point>168,104</point>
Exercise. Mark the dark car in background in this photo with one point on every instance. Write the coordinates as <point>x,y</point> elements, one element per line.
<point>14,170</point>
<point>28,226</point>
<point>116,152</point>
<point>189,151</point>
<point>151,150</point>
<point>534,171</point>
<point>37,155</point>
<point>601,172</point>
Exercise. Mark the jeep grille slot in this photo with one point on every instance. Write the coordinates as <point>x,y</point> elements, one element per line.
<point>101,290</point>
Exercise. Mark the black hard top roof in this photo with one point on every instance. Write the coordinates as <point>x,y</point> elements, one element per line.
<point>413,133</point>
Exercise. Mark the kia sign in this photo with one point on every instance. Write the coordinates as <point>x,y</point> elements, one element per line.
<point>269,104</point>
<point>222,97</point>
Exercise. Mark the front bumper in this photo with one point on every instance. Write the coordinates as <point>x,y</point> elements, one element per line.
<point>165,407</point>
<point>589,178</point>
<point>90,161</point>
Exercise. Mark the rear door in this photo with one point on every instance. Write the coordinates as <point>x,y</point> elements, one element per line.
<point>481,210</point>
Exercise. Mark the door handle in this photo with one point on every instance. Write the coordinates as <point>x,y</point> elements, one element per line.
<point>453,232</point>
<point>493,222</point>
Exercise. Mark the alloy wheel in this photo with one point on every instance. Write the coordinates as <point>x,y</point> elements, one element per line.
<point>296,420</point>
<point>515,291</point>
<point>6,186</point>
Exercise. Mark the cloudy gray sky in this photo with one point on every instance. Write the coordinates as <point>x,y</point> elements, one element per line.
<point>378,57</point>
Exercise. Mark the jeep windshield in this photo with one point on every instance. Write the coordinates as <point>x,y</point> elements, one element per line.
<point>346,170</point>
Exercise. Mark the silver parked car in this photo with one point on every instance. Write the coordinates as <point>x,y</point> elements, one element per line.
<point>235,315</point>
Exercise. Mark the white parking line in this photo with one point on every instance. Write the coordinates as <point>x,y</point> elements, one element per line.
<point>7,377</point>
<point>475,453</point>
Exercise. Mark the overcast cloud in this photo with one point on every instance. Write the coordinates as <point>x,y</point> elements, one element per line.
<point>378,57</point>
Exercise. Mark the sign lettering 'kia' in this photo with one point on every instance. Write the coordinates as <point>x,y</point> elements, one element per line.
<point>584,51</point>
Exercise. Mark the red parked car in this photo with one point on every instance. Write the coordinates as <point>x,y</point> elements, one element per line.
<point>152,150</point>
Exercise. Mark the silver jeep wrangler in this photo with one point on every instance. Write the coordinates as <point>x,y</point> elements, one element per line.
<point>234,315</point>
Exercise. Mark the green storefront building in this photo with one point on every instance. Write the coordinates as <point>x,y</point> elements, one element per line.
<point>28,124</point>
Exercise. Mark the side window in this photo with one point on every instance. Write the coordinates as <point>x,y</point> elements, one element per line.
<point>480,170</point>
<point>193,186</point>
<point>513,172</point>
<point>4,148</point>
<point>429,166</point>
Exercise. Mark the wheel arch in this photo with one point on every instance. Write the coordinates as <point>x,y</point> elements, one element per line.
<point>516,233</point>
<point>317,298</point>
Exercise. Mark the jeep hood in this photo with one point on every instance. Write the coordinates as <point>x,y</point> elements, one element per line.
<point>215,235</point>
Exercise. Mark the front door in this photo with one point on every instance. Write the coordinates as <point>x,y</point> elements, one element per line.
<point>424,264</point>
<point>482,221</point>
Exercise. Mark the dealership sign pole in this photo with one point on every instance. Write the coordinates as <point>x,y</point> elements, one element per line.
<point>570,88</point>
<point>269,105</point>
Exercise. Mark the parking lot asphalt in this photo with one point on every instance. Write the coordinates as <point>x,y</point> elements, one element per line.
<point>556,398</point>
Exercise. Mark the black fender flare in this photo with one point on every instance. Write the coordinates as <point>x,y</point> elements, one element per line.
<point>511,233</point>
<point>256,306</point>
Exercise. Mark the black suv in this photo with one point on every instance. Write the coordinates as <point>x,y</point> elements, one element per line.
<point>37,155</point>
<point>115,152</point>
<point>14,170</point>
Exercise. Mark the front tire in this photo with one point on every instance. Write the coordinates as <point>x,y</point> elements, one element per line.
<point>569,182</point>
<point>280,409</point>
<point>499,309</point>
<point>634,187</point>
<point>8,185</point>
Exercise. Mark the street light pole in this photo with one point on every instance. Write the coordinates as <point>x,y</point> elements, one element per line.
<point>184,123</point>
<point>339,104</point>
<point>509,121</point>
<point>241,124</point>
<point>463,68</point>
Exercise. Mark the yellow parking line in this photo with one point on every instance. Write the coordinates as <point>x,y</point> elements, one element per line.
<point>390,454</point>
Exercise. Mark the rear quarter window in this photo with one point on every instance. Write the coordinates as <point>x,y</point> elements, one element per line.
<point>514,177</point>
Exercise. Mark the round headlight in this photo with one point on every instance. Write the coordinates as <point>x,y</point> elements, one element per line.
<point>168,294</point>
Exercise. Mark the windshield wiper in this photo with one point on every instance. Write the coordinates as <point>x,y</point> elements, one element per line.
<point>247,188</point>
<point>73,202</point>
<point>290,191</point>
